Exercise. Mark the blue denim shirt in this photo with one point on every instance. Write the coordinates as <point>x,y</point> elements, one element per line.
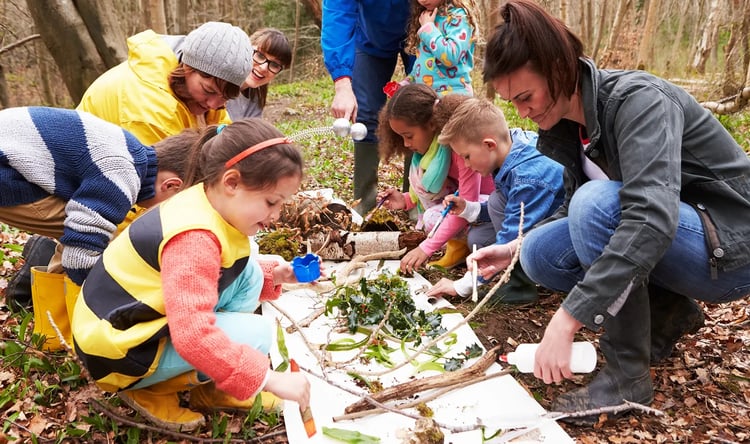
<point>664,147</point>
<point>530,177</point>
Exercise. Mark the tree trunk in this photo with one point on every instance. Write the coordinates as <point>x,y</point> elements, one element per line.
<point>44,75</point>
<point>645,50</point>
<point>4,101</point>
<point>732,49</point>
<point>66,36</point>
<point>156,18</point>
<point>683,10</point>
<point>708,39</point>
<point>104,29</point>
<point>620,13</point>
<point>315,8</point>
<point>600,30</point>
<point>180,15</point>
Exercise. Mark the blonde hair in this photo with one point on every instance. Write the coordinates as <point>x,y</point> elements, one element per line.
<point>473,120</point>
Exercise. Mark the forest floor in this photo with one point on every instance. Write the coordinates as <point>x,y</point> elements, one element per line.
<point>703,388</point>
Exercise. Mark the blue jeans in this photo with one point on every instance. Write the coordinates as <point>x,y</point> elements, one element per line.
<point>557,254</point>
<point>234,316</point>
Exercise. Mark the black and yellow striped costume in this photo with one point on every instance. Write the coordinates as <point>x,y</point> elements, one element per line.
<point>119,326</point>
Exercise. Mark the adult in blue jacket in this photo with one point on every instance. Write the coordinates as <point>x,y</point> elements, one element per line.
<point>362,41</point>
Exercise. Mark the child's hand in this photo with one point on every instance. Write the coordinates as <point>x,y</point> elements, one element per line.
<point>443,287</point>
<point>427,16</point>
<point>459,204</point>
<point>393,199</point>
<point>413,260</point>
<point>283,273</point>
<point>292,386</point>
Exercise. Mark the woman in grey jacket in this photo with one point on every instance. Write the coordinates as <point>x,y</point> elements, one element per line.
<point>656,214</point>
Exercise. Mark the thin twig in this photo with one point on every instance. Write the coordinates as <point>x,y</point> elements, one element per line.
<point>101,408</point>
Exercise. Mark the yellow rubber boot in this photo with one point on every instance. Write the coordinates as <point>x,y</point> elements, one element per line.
<point>207,397</point>
<point>71,295</point>
<point>160,403</point>
<point>455,253</point>
<point>48,295</point>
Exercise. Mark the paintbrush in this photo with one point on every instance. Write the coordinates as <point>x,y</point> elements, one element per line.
<point>377,207</point>
<point>307,417</point>
<point>443,214</point>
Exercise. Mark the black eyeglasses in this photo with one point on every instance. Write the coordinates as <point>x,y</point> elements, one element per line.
<point>260,58</point>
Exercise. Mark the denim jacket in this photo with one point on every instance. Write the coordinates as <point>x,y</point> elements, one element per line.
<point>529,177</point>
<point>664,147</point>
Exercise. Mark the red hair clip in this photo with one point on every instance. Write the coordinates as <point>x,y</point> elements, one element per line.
<point>390,88</point>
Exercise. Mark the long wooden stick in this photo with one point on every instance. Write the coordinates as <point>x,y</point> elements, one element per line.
<point>412,387</point>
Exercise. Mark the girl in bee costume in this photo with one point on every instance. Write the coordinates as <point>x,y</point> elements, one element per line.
<point>169,307</point>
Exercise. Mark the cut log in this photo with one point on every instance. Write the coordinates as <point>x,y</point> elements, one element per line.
<point>339,245</point>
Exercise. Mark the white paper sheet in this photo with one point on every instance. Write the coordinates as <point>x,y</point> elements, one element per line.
<point>498,403</point>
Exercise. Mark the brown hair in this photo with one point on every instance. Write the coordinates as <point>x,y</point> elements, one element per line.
<point>412,37</point>
<point>260,170</point>
<point>417,105</point>
<point>529,35</point>
<point>177,83</point>
<point>273,43</point>
<point>171,151</point>
<point>473,120</point>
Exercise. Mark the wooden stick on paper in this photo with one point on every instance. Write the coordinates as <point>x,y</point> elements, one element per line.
<point>474,277</point>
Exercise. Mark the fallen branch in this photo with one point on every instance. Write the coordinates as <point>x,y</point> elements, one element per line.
<point>423,399</point>
<point>554,416</point>
<point>360,261</point>
<point>412,387</point>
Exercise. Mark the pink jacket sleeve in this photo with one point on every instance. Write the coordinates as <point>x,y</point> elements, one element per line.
<point>191,292</point>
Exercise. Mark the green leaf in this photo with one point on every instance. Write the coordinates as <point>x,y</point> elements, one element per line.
<point>349,436</point>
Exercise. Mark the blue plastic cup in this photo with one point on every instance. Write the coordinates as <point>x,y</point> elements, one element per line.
<point>306,268</point>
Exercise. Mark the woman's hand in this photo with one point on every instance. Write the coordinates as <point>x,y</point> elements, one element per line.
<point>491,259</point>
<point>413,260</point>
<point>392,198</point>
<point>552,359</point>
<point>292,386</point>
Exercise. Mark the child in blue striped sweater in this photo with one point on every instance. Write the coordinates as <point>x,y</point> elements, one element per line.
<point>74,177</point>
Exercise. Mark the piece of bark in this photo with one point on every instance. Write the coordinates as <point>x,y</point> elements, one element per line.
<point>415,386</point>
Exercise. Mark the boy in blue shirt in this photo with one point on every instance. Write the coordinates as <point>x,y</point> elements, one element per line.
<point>477,131</point>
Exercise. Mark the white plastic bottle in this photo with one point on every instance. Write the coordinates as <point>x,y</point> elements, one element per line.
<point>582,358</point>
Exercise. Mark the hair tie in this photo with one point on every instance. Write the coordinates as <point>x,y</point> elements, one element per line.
<point>220,128</point>
<point>255,148</point>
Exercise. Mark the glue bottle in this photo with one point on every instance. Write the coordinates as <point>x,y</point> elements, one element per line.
<point>582,358</point>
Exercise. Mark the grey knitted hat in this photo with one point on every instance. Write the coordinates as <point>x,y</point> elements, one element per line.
<point>219,49</point>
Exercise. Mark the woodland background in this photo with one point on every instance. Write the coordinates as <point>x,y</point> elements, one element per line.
<point>51,50</point>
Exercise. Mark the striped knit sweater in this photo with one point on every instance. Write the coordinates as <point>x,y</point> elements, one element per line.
<point>98,168</point>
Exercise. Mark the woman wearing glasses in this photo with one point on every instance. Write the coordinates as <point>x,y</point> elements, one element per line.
<point>272,54</point>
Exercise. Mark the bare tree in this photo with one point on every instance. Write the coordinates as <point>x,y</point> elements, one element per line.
<point>82,36</point>
<point>645,50</point>
<point>594,51</point>
<point>708,40</point>
<point>155,16</point>
<point>620,13</point>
